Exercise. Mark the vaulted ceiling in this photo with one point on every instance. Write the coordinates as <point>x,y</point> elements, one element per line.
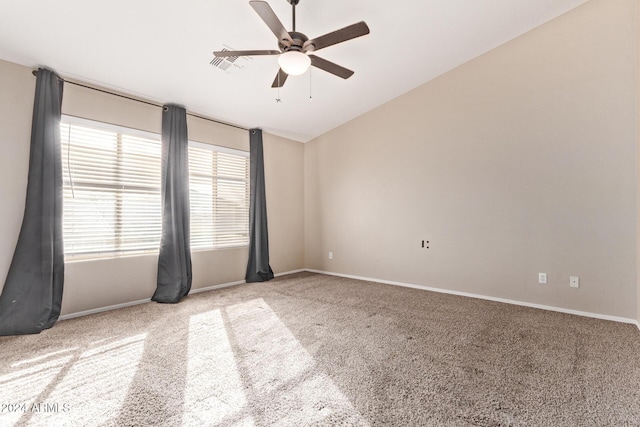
<point>161,50</point>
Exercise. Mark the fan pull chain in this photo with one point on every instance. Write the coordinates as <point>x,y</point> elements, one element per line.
<point>278,99</point>
<point>310,96</point>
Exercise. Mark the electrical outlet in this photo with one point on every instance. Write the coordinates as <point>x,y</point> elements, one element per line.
<point>330,255</point>
<point>542,278</point>
<point>574,281</point>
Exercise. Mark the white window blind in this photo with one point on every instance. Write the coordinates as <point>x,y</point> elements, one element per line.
<point>219,197</point>
<point>112,201</point>
<point>111,189</point>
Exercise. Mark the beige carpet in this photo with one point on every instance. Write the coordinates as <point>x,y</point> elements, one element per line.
<point>309,349</point>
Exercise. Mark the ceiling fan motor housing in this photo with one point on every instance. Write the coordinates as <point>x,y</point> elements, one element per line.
<point>298,44</point>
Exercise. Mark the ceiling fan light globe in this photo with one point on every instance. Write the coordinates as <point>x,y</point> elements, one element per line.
<point>294,63</point>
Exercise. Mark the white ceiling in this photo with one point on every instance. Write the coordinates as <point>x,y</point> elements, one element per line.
<point>160,50</point>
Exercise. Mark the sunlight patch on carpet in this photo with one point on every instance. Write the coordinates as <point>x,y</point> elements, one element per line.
<point>279,370</point>
<point>22,387</point>
<point>97,383</point>
<point>213,389</point>
<point>42,357</point>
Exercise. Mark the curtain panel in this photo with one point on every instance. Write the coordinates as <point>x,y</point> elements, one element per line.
<point>258,268</point>
<point>174,260</point>
<point>32,295</point>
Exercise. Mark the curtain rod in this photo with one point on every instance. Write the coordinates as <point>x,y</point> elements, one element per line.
<point>35,73</point>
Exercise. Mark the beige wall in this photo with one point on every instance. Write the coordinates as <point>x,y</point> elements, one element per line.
<point>284,184</point>
<point>637,74</point>
<point>94,284</point>
<point>518,162</point>
<point>17,89</point>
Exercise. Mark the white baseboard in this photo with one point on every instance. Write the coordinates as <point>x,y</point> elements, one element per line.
<point>290,272</point>
<point>484,297</point>
<point>370,279</point>
<point>143,301</point>
<point>101,309</point>
<point>239,282</point>
<point>214,287</point>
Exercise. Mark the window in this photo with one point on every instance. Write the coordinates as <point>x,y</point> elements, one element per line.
<point>219,196</point>
<point>111,189</point>
<point>112,203</point>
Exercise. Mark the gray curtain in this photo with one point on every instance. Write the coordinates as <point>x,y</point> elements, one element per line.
<point>32,293</point>
<point>174,261</point>
<point>258,268</point>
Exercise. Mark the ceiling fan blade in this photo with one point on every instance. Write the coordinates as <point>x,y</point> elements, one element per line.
<point>330,67</point>
<point>269,17</point>
<point>227,53</point>
<point>339,36</point>
<point>281,77</point>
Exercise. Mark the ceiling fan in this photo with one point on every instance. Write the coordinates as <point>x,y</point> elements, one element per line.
<point>295,48</point>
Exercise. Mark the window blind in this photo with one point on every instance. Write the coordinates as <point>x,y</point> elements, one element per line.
<point>112,202</point>
<point>219,197</point>
<point>111,190</point>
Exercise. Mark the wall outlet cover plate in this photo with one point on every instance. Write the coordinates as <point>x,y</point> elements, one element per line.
<point>574,281</point>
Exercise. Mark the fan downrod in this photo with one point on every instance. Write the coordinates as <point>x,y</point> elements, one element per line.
<point>293,4</point>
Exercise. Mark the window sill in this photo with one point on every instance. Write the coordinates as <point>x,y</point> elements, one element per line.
<point>102,257</point>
